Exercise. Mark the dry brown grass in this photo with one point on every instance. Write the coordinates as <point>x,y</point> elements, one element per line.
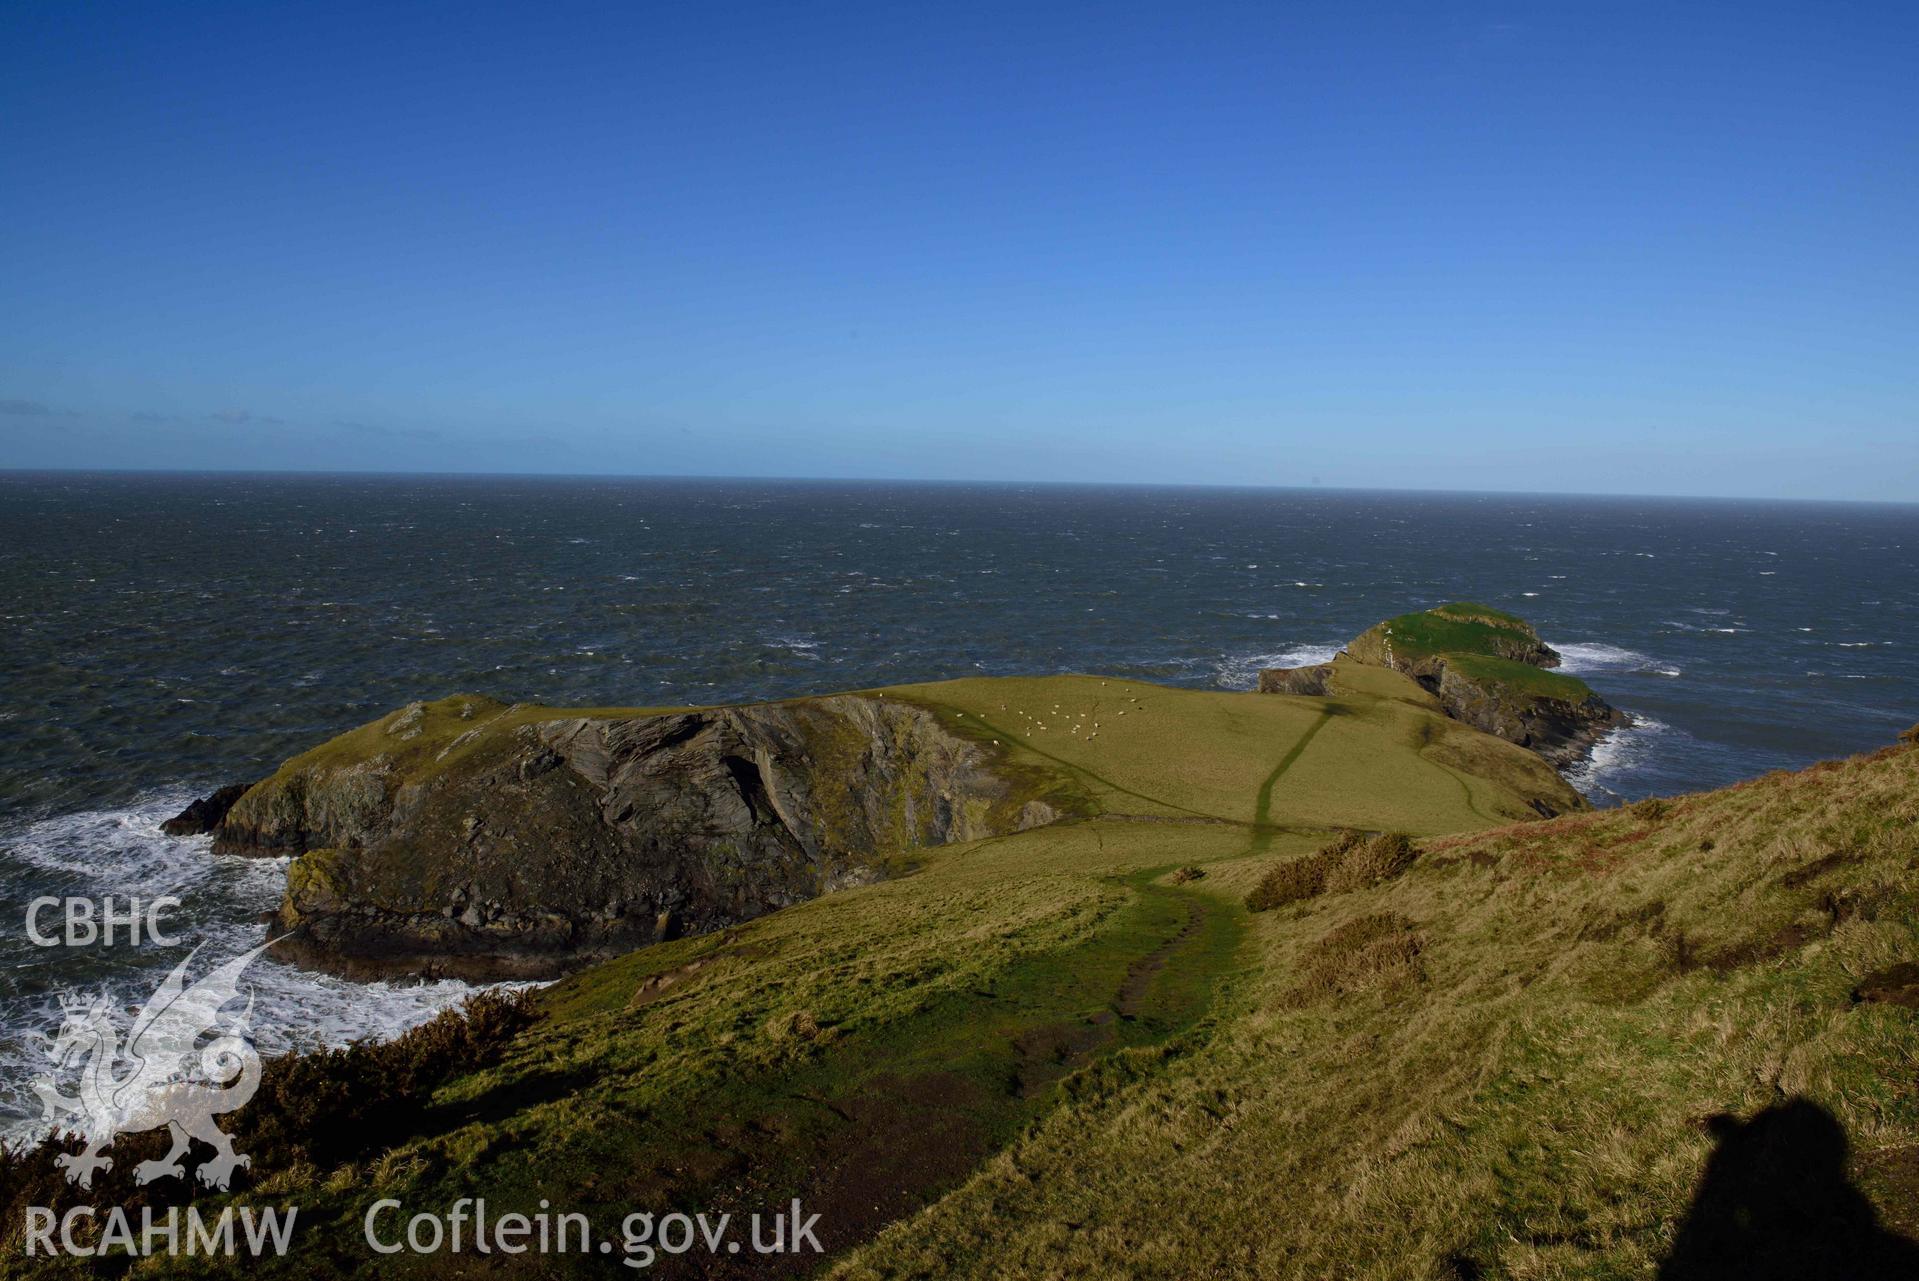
<point>1377,951</point>
<point>1352,861</point>
<point>1528,1109</point>
<point>1293,881</point>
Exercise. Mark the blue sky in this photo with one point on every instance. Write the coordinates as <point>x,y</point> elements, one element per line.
<point>1609,247</point>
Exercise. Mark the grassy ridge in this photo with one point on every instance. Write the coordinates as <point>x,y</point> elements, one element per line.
<point>1133,747</point>
<point>1484,643</point>
<point>1457,629</point>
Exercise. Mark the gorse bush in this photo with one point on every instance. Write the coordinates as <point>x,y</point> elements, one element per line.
<point>1371,862</point>
<point>1293,881</point>
<point>1353,861</point>
<point>334,1106</point>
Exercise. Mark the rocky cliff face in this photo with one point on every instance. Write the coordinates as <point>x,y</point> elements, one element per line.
<point>464,838</point>
<point>1561,729</point>
<point>1487,669</point>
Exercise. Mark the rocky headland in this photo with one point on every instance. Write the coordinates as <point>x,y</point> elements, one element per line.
<point>468,838</point>
<point>1325,917</point>
<point>1485,667</point>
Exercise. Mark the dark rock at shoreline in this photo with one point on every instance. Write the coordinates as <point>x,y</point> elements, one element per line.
<point>206,814</point>
<point>1562,730</point>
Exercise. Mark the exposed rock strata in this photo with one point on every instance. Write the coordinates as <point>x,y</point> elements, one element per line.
<point>1562,730</point>
<point>463,838</point>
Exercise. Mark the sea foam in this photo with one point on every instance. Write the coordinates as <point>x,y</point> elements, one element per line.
<point>122,853</point>
<point>1241,671</point>
<point>1616,757</point>
<point>1596,656</point>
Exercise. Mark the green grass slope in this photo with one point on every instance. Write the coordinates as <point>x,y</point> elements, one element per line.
<point>1487,644</point>
<point>1061,1053</point>
<point>1378,757</point>
<point>1461,627</point>
<point>1522,678</point>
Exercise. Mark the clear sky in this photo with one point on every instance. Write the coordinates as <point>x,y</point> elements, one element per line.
<point>1612,247</point>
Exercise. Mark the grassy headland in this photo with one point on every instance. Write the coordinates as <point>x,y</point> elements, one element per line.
<point>1498,1051</point>
<point>1486,667</point>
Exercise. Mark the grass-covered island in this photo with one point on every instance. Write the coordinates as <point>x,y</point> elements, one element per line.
<point>1481,665</point>
<point>1080,976</point>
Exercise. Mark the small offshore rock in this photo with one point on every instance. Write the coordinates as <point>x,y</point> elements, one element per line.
<point>205,814</point>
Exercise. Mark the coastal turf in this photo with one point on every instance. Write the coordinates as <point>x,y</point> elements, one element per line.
<point>1382,757</point>
<point>1487,645</point>
<point>1462,627</point>
<point>1059,1054</point>
<point>1521,678</point>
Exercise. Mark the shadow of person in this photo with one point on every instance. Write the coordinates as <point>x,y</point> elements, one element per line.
<point>1775,1202</point>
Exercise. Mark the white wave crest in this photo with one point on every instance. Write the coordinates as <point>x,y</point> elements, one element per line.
<point>123,854</point>
<point>798,646</point>
<point>1596,656</point>
<point>1241,671</point>
<point>1616,755</point>
<point>125,851</point>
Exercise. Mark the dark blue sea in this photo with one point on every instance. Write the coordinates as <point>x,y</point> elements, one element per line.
<point>167,634</point>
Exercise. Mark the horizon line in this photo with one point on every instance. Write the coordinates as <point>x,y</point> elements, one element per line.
<point>712,477</point>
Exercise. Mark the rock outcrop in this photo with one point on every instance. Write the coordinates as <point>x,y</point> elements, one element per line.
<point>1486,668</point>
<point>1560,727</point>
<point>1312,681</point>
<point>470,839</point>
<point>206,814</point>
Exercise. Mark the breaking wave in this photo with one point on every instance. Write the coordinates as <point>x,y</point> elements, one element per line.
<point>122,853</point>
<point>1595,656</point>
<point>1618,756</point>
<point>1241,671</point>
